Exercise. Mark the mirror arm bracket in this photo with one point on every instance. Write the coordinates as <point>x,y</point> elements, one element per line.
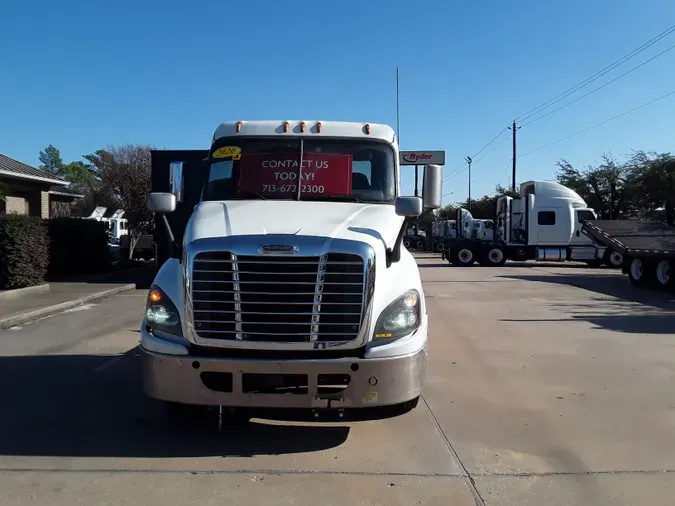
<point>394,254</point>
<point>173,247</point>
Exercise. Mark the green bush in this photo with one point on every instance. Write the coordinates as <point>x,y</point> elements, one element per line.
<point>77,246</point>
<point>24,251</point>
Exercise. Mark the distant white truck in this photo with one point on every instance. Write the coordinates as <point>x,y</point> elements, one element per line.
<point>543,223</point>
<point>288,286</point>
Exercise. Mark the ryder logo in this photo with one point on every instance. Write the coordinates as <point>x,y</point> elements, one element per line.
<point>417,157</point>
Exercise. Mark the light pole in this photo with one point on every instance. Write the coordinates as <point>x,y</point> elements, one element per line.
<point>469,160</point>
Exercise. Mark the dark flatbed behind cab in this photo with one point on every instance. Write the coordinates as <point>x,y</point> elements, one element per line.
<point>648,248</point>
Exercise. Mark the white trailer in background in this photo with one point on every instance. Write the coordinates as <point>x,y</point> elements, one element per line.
<point>543,223</point>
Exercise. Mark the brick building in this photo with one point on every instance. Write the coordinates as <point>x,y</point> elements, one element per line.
<point>27,190</point>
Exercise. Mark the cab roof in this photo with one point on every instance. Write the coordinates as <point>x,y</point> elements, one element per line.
<point>307,128</point>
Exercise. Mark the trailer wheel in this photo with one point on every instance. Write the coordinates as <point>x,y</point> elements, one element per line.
<point>665,274</point>
<point>419,245</point>
<point>464,257</point>
<point>439,247</point>
<point>406,243</point>
<point>640,272</point>
<point>495,257</point>
<point>612,258</point>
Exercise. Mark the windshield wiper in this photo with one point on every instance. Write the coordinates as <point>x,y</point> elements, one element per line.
<point>337,198</point>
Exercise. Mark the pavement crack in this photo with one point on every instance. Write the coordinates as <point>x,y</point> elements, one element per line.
<point>472,484</point>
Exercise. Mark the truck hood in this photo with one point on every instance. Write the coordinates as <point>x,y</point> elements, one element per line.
<point>376,224</point>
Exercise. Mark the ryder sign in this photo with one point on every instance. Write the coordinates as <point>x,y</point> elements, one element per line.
<point>422,157</point>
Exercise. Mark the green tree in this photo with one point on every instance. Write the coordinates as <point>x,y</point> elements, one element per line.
<point>608,187</point>
<point>653,177</point>
<point>81,175</point>
<point>51,160</point>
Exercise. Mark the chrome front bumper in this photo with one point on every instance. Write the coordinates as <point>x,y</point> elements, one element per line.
<point>372,382</point>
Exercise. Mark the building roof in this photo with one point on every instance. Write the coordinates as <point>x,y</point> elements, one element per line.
<point>57,189</point>
<point>14,168</point>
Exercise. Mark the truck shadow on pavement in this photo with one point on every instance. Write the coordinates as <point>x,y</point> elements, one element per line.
<point>92,406</point>
<point>618,306</point>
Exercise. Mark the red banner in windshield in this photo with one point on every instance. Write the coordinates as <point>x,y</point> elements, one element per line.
<point>270,175</point>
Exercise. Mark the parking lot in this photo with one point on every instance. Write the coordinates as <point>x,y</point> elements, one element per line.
<point>548,385</point>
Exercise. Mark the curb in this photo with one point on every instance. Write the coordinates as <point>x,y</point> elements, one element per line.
<point>30,316</point>
<point>20,292</point>
<point>97,278</point>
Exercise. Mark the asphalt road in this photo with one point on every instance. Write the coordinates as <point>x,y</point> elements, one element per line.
<point>547,385</point>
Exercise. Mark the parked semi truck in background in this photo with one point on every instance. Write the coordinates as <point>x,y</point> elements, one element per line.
<point>647,247</point>
<point>543,223</point>
<point>283,281</point>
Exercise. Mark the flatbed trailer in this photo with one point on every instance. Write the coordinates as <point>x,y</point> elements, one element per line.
<point>647,246</point>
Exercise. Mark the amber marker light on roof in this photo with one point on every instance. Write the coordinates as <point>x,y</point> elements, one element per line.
<point>238,126</point>
<point>302,127</point>
<point>318,127</point>
<point>285,126</point>
<point>367,127</point>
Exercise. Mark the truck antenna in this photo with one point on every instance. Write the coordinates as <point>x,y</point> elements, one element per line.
<point>398,125</point>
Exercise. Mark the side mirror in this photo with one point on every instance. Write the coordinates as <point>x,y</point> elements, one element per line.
<point>161,202</point>
<point>410,207</point>
<point>432,191</point>
<point>176,179</point>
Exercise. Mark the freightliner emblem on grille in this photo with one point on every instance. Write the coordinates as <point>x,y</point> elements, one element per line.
<point>284,249</point>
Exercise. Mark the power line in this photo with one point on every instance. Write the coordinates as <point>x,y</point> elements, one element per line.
<point>464,166</point>
<point>624,113</point>
<point>602,86</point>
<point>599,124</point>
<point>460,169</point>
<point>596,76</point>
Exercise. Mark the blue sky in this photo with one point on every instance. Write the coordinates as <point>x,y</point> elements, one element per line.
<point>83,75</point>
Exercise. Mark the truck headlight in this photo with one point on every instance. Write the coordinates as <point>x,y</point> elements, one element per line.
<point>161,313</point>
<point>400,318</point>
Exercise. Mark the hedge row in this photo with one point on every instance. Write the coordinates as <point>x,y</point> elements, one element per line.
<point>31,249</point>
<point>24,251</point>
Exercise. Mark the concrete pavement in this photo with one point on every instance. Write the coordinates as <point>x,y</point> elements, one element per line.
<point>548,385</point>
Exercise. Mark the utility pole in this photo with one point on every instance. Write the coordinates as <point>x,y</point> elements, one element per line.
<point>469,160</point>
<point>514,129</point>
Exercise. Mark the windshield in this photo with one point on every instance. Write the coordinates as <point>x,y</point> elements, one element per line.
<point>343,170</point>
<point>585,215</point>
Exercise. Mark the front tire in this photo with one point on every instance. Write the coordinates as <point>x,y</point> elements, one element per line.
<point>464,257</point>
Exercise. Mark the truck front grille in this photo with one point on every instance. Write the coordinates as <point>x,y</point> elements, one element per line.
<point>277,298</point>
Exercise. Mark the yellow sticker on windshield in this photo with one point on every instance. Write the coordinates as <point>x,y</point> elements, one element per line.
<point>233,152</point>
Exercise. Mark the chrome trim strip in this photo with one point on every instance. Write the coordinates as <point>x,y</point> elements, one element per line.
<point>247,246</point>
<point>318,289</point>
<point>237,297</point>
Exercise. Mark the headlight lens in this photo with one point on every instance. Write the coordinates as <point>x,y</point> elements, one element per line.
<point>161,313</point>
<point>400,318</point>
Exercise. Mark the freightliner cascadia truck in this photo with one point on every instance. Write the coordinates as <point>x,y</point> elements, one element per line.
<point>283,280</point>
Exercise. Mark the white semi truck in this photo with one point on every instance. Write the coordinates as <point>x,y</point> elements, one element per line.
<point>287,286</point>
<point>543,223</point>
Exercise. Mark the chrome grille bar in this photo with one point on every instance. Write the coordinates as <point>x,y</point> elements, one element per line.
<point>310,298</point>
